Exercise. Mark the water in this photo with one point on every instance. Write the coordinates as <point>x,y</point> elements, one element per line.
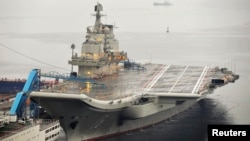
<point>228,105</point>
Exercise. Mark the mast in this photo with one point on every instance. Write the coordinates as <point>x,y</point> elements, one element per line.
<point>98,15</point>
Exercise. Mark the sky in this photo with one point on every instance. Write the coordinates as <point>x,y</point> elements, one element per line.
<point>35,16</point>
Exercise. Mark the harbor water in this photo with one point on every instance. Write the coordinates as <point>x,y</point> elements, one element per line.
<point>49,50</point>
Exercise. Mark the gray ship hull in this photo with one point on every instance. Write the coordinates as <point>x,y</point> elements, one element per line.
<point>81,121</point>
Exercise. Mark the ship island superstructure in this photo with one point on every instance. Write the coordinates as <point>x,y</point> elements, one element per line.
<point>100,52</point>
<point>105,98</point>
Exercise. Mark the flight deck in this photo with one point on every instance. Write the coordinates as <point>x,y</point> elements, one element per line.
<point>155,78</point>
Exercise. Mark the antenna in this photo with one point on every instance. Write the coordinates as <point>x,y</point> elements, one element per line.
<point>115,26</point>
<point>72,47</point>
<point>234,66</point>
<point>106,18</point>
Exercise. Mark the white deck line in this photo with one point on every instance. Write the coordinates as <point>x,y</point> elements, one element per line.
<point>175,95</point>
<point>202,79</point>
<point>178,79</point>
<point>197,85</point>
<point>151,84</point>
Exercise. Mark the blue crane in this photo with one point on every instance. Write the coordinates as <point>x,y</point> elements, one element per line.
<point>31,84</point>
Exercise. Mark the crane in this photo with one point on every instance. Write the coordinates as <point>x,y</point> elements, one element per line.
<point>31,84</point>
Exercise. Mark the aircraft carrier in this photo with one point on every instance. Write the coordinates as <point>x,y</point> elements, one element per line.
<point>111,94</point>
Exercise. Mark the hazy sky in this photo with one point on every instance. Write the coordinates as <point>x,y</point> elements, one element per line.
<point>130,15</point>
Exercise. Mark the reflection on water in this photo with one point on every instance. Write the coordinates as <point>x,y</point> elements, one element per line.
<point>189,125</point>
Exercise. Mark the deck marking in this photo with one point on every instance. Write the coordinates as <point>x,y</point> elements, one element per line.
<point>171,89</point>
<point>198,83</point>
<point>152,77</point>
<point>156,78</point>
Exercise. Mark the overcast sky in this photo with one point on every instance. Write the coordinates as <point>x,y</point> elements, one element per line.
<point>34,16</point>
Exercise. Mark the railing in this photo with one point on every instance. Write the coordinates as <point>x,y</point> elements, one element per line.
<point>68,77</point>
<point>57,75</point>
